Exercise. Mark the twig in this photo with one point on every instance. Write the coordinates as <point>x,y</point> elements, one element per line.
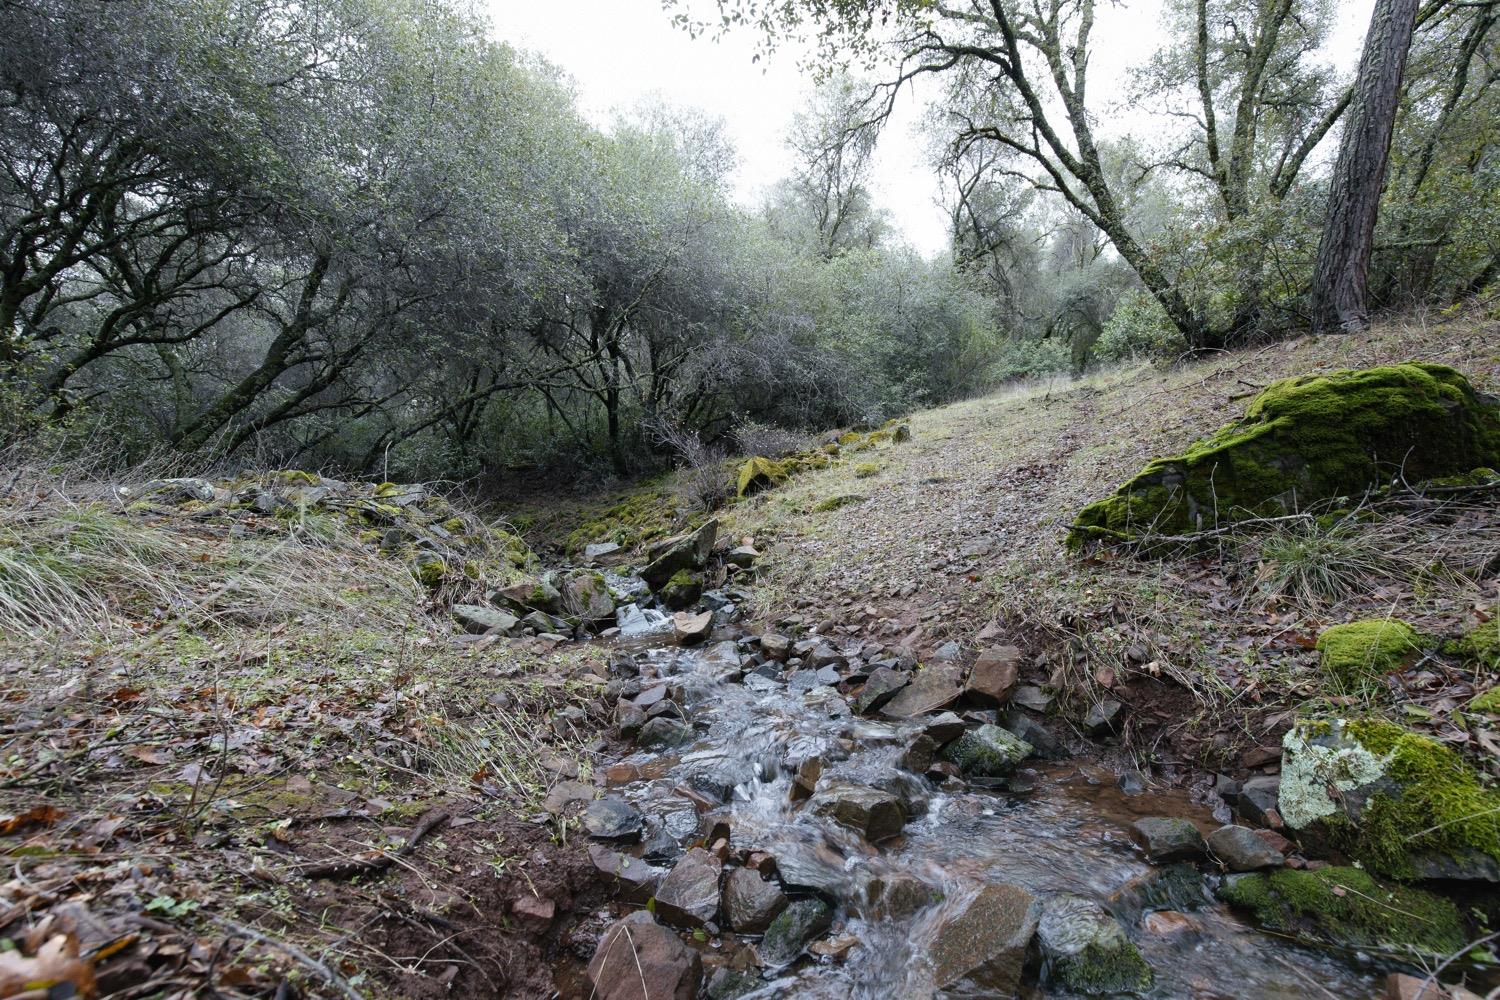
<point>323,972</point>
<point>384,859</point>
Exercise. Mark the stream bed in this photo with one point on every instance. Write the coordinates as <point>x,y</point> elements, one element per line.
<point>1055,827</point>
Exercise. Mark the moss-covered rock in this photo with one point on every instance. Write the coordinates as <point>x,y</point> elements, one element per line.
<point>1086,950</point>
<point>1357,655</point>
<point>987,752</point>
<point>1487,701</point>
<point>835,502</point>
<point>682,590</point>
<point>1481,646</point>
<point>760,473</point>
<point>1303,440</point>
<point>866,469</point>
<point>1402,804</point>
<point>1347,907</point>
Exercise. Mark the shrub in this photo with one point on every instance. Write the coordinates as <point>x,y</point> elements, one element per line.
<point>1138,329</point>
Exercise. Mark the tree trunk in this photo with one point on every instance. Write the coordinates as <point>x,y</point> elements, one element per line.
<point>1339,295</point>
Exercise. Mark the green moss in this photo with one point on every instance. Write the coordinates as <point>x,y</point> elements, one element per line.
<point>431,570</point>
<point>455,525</point>
<point>759,473</point>
<point>634,520</point>
<point>866,469</point>
<point>1482,645</point>
<point>681,590</point>
<point>1359,654</point>
<point>1303,440</point>
<point>1106,970</point>
<point>1346,906</point>
<point>1439,808</point>
<point>295,477</point>
<point>1489,701</point>
<point>836,501</point>
<point>388,490</point>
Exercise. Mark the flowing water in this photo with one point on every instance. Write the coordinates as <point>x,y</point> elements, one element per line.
<point>1067,835</point>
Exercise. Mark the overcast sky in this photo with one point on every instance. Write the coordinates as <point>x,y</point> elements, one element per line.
<point>620,51</point>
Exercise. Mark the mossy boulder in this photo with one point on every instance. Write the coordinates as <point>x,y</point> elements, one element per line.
<point>586,597</point>
<point>682,590</point>
<point>1481,646</point>
<point>1303,440</point>
<point>1348,908</point>
<point>674,555</point>
<point>760,473</point>
<point>1357,655</point>
<point>1402,804</point>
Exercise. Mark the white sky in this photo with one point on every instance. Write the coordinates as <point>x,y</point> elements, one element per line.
<point>621,51</point>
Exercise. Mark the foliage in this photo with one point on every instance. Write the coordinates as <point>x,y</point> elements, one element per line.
<point>1138,329</point>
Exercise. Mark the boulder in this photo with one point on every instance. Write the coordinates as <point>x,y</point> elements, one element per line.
<point>792,929</point>
<point>982,941</point>
<point>776,647</point>
<point>480,620</point>
<point>932,689</point>
<point>1306,439</point>
<point>993,675</point>
<point>692,628</point>
<point>874,814</point>
<point>689,895</point>
<point>899,896</point>
<point>1348,908</point>
<point>1086,950</point>
<point>638,959</point>
<point>1032,697</point>
<point>528,594</point>
<point>1167,838</point>
<point>682,552</point>
<point>1241,849</point>
<point>750,903</point>
<point>585,596</point>
<point>944,728</point>
<point>1101,716</point>
<point>682,590</point>
<point>743,556</point>
<point>986,752</point>
<point>600,550</point>
<point>664,732</point>
<point>1402,804</point>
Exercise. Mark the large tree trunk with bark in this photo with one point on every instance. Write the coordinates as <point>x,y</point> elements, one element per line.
<point>1339,295</point>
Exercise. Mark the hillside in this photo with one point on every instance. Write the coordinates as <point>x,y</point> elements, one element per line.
<point>250,745</point>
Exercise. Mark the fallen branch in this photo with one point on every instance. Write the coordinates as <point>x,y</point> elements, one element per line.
<point>381,860</point>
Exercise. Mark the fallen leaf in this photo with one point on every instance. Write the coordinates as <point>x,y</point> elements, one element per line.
<point>39,816</point>
<point>55,963</point>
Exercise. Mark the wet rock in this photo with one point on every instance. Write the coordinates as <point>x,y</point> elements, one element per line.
<point>789,933</point>
<point>810,868</point>
<point>1086,950</point>
<point>1173,887</point>
<point>986,752</point>
<point>678,555</point>
<point>805,781</point>
<point>944,728</point>
<point>983,941</point>
<point>664,732</point>
<point>689,895</point>
<point>1102,716</point>
<point>729,984</point>
<point>612,818</point>
<point>1043,743</point>
<point>1167,838</point>
<point>1170,925</point>
<point>750,903</point>
<point>898,896</point>
<point>692,628</point>
<point>932,689</point>
<point>630,878</point>
<point>638,959</point>
<point>636,623</point>
<point>1240,849</point>
<point>1131,783</point>
<point>834,949</point>
<point>919,755</point>
<point>480,620</point>
<point>875,814</point>
<point>803,680</point>
<point>993,676</point>
<point>881,686</point>
<point>629,718</point>
<point>1032,697</point>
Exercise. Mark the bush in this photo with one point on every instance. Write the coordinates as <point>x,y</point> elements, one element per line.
<point>1138,329</point>
<point>753,438</point>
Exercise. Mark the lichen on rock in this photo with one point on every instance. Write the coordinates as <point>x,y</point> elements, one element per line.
<point>1402,804</point>
<point>1303,440</point>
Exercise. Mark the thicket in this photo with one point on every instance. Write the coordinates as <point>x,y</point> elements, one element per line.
<point>359,235</point>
